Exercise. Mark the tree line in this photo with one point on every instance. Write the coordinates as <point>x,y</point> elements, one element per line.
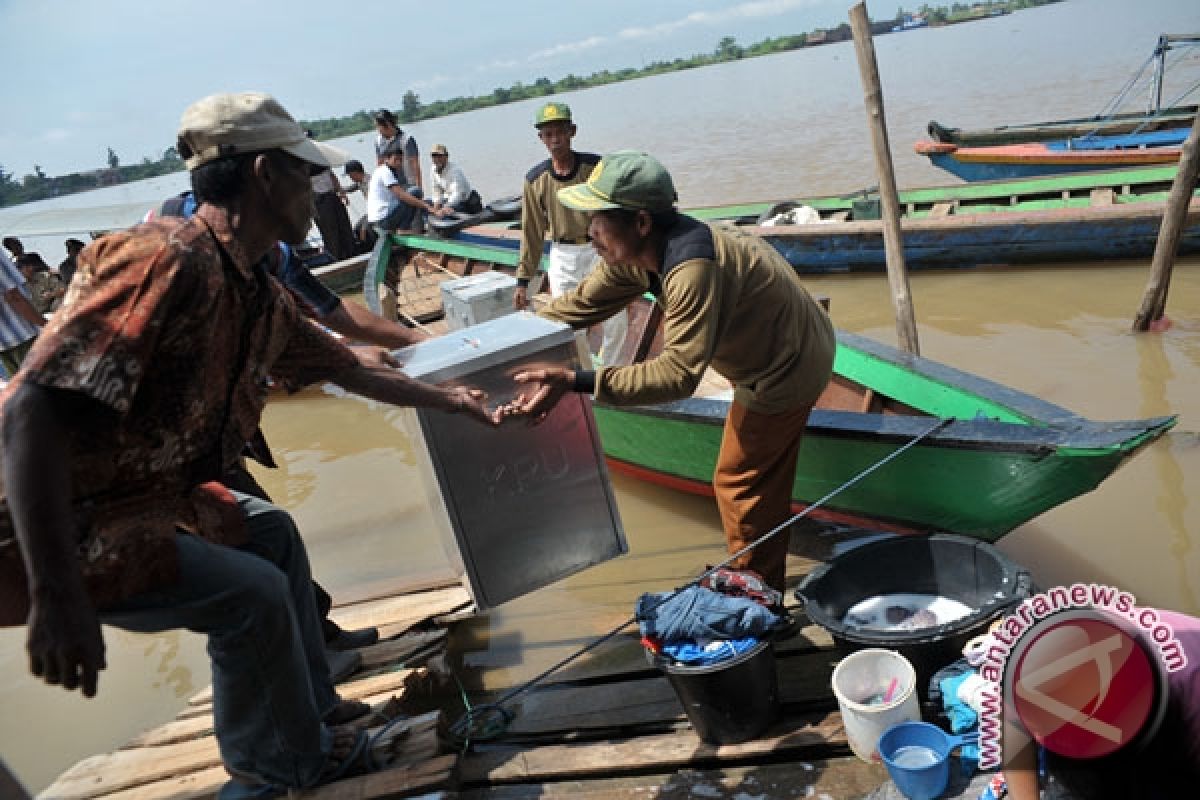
<point>38,185</point>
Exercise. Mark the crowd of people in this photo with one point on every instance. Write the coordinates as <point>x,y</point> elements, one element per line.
<point>157,358</point>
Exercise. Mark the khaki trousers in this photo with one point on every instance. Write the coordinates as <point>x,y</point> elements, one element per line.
<point>753,484</point>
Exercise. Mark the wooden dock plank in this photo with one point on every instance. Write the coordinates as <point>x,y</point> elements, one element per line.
<point>827,778</point>
<point>817,734</point>
<point>125,769</point>
<point>403,610</point>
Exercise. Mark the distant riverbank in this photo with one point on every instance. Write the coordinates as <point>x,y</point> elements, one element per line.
<point>39,186</point>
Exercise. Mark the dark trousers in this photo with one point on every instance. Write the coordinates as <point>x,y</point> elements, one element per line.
<point>239,479</point>
<point>333,221</point>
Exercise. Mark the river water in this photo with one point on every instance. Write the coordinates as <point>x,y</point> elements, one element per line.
<point>763,129</point>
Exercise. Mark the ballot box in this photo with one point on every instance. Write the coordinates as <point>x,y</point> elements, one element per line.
<point>477,298</point>
<point>516,507</point>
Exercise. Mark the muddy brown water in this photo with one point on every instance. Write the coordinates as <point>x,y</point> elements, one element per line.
<point>770,128</point>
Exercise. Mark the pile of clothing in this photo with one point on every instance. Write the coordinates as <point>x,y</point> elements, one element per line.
<point>717,619</point>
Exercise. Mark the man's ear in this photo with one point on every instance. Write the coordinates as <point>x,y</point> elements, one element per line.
<point>643,222</point>
<point>262,170</point>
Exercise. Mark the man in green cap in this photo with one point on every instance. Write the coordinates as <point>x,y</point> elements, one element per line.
<point>731,302</point>
<point>572,257</point>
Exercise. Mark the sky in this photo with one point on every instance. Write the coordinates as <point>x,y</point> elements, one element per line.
<point>85,75</point>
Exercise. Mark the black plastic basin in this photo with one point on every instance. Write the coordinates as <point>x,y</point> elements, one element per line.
<point>972,572</point>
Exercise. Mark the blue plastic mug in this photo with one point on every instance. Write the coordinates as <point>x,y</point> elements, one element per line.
<point>916,754</point>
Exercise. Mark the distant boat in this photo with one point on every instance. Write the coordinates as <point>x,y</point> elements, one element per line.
<point>1030,159</point>
<point>910,23</point>
<point>1112,138</point>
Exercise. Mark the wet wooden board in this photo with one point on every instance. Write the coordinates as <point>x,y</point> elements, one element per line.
<point>837,778</point>
<point>812,735</point>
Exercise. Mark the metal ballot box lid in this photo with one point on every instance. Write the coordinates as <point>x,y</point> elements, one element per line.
<point>516,507</point>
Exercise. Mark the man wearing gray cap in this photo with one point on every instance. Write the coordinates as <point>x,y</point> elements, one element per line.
<point>138,395</point>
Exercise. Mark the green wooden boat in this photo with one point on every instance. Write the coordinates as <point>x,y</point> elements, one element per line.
<point>1002,459</point>
<point>1005,457</point>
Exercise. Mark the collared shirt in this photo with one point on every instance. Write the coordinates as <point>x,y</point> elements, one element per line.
<point>172,332</point>
<point>450,186</point>
<point>541,213</point>
<point>14,329</point>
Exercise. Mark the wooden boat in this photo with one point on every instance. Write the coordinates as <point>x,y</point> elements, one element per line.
<point>1106,140</point>
<point>1026,159</point>
<point>1003,458</point>
<point>1129,122</point>
<point>1084,217</point>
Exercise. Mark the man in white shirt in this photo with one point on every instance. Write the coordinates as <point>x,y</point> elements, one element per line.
<point>391,205</point>
<point>19,320</point>
<point>450,186</point>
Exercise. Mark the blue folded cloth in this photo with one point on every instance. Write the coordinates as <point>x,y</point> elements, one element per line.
<point>962,717</point>
<point>695,654</point>
<point>700,614</point>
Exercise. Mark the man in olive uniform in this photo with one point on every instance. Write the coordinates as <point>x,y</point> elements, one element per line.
<point>731,302</point>
<point>572,257</point>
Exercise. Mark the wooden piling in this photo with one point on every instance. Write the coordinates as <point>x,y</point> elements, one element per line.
<point>1154,300</point>
<point>864,47</point>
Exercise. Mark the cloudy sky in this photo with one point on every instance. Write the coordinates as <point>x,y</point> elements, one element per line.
<point>85,75</point>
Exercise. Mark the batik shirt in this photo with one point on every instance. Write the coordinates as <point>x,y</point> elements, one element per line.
<point>172,332</point>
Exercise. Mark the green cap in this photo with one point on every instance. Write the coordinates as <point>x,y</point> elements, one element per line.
<point>624,179</point>
<point>552,112</point>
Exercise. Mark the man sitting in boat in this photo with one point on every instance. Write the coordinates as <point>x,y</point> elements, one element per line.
<point>451,189</point>
<point>731,302</point>
<point>137,397</point>
<point>393,205</point>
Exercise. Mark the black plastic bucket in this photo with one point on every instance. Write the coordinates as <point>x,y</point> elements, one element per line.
<point>972,572</point>
<point>731,701</point>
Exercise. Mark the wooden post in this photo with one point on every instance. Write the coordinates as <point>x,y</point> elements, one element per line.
<point>906,324</point>
<point>1154,300</point>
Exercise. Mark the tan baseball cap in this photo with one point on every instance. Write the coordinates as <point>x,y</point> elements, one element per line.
<point>223,125</point>
<point>439,150</point>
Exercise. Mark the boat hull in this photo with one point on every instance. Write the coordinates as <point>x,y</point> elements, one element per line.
<point>1004,459</point>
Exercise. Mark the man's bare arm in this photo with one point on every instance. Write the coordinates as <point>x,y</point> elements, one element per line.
<point>65,644</point>
<point>355,321</point>
<point>392,386</point>
<point>19,303</point>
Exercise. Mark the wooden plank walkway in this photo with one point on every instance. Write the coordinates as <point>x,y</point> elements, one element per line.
<point>610,727</point>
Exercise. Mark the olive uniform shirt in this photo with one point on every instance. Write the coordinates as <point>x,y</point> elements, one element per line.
<point>731,301</point>
<point>541,213</point>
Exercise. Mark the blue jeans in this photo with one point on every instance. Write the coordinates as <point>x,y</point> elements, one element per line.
<point>403,217</point>
<point>270,680</point>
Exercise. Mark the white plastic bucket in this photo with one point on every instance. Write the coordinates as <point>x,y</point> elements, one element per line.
<point>867,674</point>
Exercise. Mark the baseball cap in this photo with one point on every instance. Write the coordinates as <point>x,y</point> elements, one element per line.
<point>223,125</point>
<point>552,112</point>
<point>439,150</point>
<point>624,179</point>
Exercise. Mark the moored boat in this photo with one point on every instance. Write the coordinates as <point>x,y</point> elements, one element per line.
<point>998,458</point>
<point>1128,122</point>
<point>1112,138</point>
<point>1028,159</point>
<point>1086,217</point>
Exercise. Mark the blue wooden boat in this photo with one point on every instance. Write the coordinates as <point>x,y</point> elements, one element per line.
<point>1081,154</point>
<point>1093,216</point>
